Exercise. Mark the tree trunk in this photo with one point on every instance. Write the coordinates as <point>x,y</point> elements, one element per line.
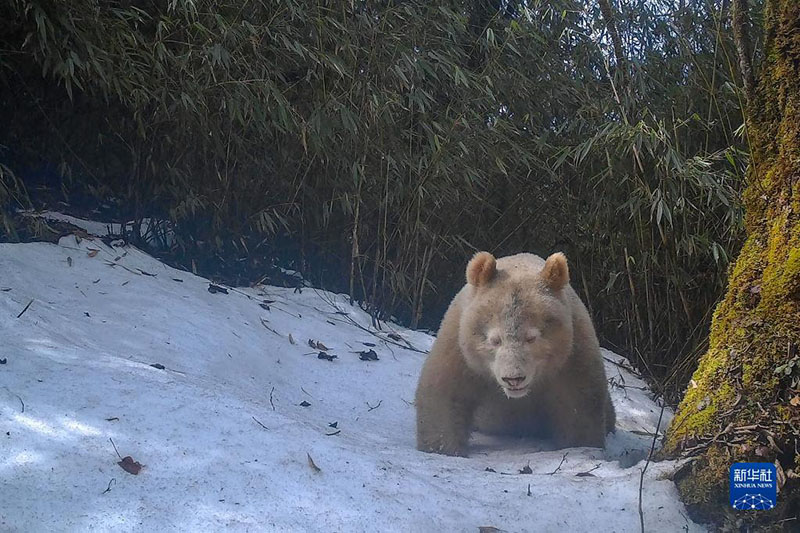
<point>743,403</point>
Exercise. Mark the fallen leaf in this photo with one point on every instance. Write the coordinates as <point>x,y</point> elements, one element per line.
<point>795,401</point>
<point>368,355</point>
<point>264,306</point>
<point>333,425</point>
<point>3,361</point>
<point>69,261</point>
<point>326,356</point>
<point>214,289</point>
<point>146,273</point>
<point>158,366</point>
<point>488,529</point>
<point>487,469</point>
<point>305,404</point>
<point>130,466</point>
<point>369,344</point>
<point>394,336</point>
<point>584,474</point>
<point>112,419</point>
<point>92,252</point>
<point>178,280</point>
<point>526,470</point>
<point>291,339</point>
<point>317,345</point>
<point>312,464</point>
<point>780,475</point>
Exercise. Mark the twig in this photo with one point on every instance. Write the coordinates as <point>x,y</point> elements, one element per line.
<point>112,265</point>
<point>647,463</point>
<point>622,365</point>
<point>260,424</point>
<point>334,433</point>
<point>234,289</point>
<point>407,345</point>
<point>18,398</point>
<point>371,408</point>
<point>686,524</point>
<point>285,311</point>
<point>270,398</point>
<point>26,308</point>
<point>564,458</point>
<point>264,323</point>
<point>115,448</point>
<point>586,473</point>
<point>112,480</point>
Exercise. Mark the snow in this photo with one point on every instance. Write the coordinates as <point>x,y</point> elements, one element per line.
<point>222,434</point>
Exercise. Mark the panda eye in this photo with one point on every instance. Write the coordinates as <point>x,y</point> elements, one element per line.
<point>495,341</point>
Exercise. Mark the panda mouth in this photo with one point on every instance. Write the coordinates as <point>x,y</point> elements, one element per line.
<point>516,392</point>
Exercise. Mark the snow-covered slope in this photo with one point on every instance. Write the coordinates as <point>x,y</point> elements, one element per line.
<point>228,422</point>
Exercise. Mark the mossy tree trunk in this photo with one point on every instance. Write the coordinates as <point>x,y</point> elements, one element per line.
<point>743,403</point>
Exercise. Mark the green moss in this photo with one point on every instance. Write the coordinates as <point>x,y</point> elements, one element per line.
<point>705,473</point>
<point>707,395</point>
<point>792,268</point>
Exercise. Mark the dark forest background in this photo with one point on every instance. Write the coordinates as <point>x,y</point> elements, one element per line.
<point>375,145</point>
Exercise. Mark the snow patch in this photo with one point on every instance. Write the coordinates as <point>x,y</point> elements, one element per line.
<point>237,402</point>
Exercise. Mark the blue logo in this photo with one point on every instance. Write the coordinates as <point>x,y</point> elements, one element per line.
<point>753,486</point>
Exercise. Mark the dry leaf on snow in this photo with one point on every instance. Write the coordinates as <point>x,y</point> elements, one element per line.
<point>129,465</point>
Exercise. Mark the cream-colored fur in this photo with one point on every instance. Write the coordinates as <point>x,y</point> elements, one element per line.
<point>516,354</point>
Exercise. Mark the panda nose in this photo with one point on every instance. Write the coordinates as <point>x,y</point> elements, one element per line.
<point>515,381</point>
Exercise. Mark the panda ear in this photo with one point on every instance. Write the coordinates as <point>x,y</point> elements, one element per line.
<point>481,269</point>
<point>555,272</point>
